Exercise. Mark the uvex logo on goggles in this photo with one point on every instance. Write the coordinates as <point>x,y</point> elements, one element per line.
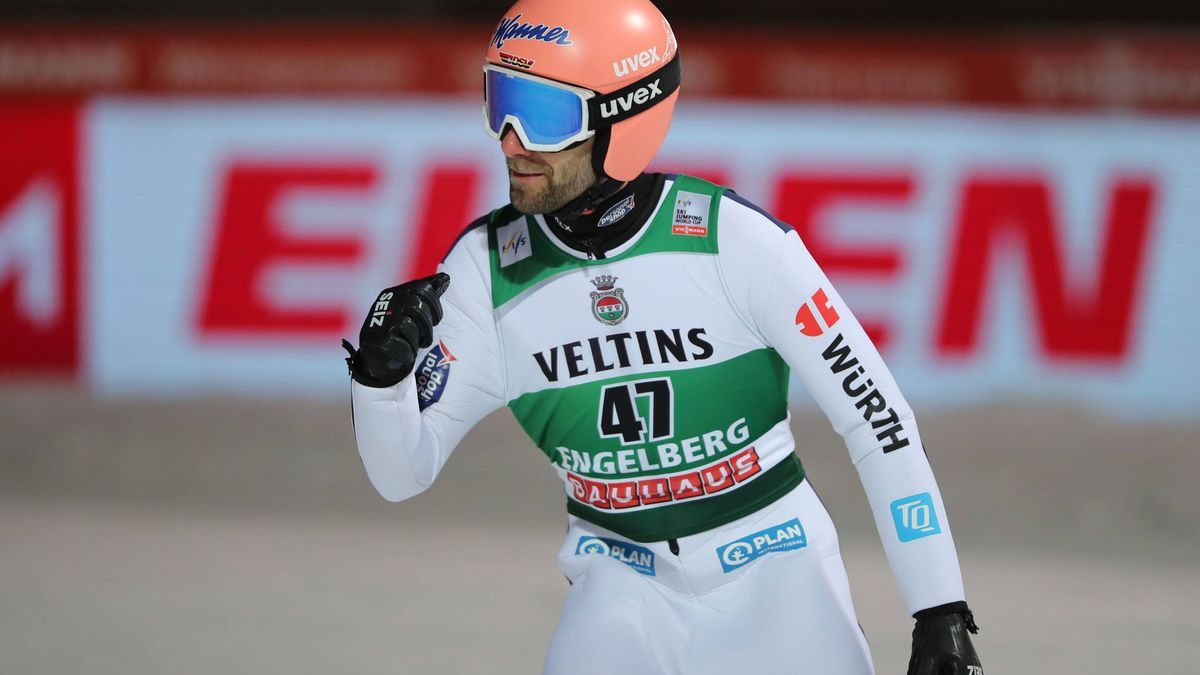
<point>640,96</point>
<point>634,98</point>
<point>549,115</point>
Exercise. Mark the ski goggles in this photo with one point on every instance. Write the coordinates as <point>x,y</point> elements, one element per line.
<point>549,116</point>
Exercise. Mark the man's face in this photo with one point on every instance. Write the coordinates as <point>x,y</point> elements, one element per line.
<point>541,182</point>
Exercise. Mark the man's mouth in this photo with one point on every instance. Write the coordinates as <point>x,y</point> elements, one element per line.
<point>523,175</point>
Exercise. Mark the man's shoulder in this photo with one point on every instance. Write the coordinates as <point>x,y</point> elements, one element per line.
<point>747,233</point>
<point>478,229</point>
<point>735,210</point>
<point>742,213</point>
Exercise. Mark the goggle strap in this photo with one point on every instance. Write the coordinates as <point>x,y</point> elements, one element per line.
<point>620,105</point>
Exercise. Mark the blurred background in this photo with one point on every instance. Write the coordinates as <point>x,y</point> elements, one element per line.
<point>198,200</point>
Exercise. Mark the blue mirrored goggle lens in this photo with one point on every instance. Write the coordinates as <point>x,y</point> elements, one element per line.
<point>548,114</point>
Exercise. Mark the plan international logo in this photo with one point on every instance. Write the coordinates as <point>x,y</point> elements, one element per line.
<point>608,303</point>
<point>782,537</point>
<point>639,558</point>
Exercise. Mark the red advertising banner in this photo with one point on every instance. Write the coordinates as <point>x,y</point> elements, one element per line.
<point>990,255</point>
<point>1047,70</point>
<point>39,237</point>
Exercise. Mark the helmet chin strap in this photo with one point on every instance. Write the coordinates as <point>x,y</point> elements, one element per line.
<point>602,189</point>
<point>586,203</point>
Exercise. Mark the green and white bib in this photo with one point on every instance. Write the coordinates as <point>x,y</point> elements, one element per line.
<point>659,404</point>
<point>655,380</point>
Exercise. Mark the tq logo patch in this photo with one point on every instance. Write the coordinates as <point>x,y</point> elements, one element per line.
<point>608,303</point>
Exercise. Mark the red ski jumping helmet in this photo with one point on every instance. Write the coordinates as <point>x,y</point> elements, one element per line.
<point>561,71</point>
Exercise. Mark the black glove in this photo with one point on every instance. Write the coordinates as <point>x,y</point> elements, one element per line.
<point>942,642</point>
<point>400,322</point>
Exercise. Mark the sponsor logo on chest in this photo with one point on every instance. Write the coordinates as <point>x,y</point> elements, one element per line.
<point>618,351</point>
<point>691,214</point>
<point>787,536</point>
<point>639,558</point>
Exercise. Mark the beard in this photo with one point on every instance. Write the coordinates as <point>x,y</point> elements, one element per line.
<point>556,187</point>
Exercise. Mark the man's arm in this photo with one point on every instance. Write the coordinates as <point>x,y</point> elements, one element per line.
<point>775,281</point>
<point>406,431</point>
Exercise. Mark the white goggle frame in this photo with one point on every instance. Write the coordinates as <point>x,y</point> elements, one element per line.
<point>511,120</point>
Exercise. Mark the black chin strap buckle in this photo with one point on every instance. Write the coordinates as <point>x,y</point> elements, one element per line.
<point>588,201</point>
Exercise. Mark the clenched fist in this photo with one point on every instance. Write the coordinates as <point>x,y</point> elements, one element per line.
<point>399,324</point>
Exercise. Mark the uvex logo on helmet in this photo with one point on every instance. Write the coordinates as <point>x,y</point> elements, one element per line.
<point>640,61</point>
<point>641,96</point>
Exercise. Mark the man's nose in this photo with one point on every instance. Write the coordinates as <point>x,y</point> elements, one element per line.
<point>510,144</point>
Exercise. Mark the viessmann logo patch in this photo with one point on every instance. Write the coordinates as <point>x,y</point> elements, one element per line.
<point>787,536</point>
<point>691,214</point>
<point>639,558</point>
<point>432,375</point>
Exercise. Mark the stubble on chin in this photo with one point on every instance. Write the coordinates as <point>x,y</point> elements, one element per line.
<point>543,196</point>
<point>562,184</point>
<point>525,198</point>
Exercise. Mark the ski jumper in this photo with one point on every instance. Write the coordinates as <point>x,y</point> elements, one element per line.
<point>655,381</point>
